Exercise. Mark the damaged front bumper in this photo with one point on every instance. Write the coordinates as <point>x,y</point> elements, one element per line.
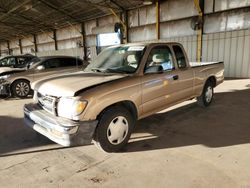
<point>60,130</point>
<point>4,87</point>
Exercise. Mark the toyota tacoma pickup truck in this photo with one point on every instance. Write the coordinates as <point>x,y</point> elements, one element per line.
<point>123,84</point>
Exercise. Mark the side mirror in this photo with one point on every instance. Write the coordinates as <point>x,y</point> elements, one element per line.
<point>28,66</point>
<point>156,69</point>
<point>40,67</point>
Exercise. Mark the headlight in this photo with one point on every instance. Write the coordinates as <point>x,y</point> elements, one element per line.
<point>78,107</point>
<point>71,108</point>
<point>4,77</point>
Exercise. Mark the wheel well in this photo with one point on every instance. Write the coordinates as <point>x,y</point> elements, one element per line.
<point>11,85</point>
<point>212,79</point>
<point>129,105</point>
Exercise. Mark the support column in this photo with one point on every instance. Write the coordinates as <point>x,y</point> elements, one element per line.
<point>55,39</point>
<point>35,43</point>
<point>125,13</point>
<point>84,41</point>
<point>8,46</point>
<point>157,21</point>
<point>122,22</point>
<point>20,46</point>
<point>199,4</point>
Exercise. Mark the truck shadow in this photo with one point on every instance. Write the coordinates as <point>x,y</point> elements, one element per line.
<point>225,123</point>
<point>12,98</point>
<point>15,137</point>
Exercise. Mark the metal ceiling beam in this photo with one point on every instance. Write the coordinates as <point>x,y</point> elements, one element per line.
<point>118,5</point>
<point>15,23</point>
<point>34,25</point>
<point>11,12</point>
<point>14,9</point>
<point>50,5</point>
<point>100,7</point>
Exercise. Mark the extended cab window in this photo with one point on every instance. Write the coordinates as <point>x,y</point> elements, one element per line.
<point>180,57</point>
<point>160,56</point>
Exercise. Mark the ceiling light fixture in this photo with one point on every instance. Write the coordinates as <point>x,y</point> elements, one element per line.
<point>147,2</point>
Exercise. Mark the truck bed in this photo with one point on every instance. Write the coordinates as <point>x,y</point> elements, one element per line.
<point>199,64</point>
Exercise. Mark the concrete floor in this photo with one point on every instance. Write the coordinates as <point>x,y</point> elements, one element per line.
<point>182,147</point>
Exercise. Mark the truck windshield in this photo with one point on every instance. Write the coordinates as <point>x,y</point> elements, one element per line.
<point>117,59</point>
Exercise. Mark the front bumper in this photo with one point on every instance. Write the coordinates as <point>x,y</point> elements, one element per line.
<point>60,130</point>
<point>4,88</point>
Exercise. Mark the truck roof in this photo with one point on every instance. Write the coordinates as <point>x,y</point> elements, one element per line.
<point>148,43</point>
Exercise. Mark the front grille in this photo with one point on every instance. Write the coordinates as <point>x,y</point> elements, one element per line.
<point>3,81</point>
<point>48,103</point>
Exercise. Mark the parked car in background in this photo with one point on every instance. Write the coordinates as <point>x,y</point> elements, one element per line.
<point>123,84</point>
<point>18,82</point>
<point>14,62</point>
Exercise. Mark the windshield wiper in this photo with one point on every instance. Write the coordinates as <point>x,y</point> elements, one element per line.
<point>98,70</point>
<point>110,70</point>
<point>117,71</point>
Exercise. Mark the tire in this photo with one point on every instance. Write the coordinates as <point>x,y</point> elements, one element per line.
<point>21,88</point>
<point>114,129</point>
<point>207,95</point>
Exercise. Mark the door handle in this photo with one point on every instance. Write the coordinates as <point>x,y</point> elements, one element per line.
<point>175,77</point>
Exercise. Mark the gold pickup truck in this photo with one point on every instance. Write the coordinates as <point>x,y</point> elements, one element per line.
<point>123,84</point>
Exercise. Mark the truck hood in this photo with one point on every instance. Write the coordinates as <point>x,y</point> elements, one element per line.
<point>68,84</point>
<point>9,70</point>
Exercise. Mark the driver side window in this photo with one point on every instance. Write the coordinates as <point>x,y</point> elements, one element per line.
<point>160,56</point>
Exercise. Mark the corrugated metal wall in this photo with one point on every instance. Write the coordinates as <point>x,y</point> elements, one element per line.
<point>232,47</point>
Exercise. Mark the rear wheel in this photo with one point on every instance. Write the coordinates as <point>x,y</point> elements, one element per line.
<point>207,95</point>
<point>114,129</point>
<point>21,88</point>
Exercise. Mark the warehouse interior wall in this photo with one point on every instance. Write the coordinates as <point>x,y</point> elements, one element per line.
<point>226,33</point>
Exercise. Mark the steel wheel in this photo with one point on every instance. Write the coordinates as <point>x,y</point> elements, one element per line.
<point>114,129</point>
<point>206,97</point>
<point>209,94</point>
<point>117,130</point>
<point>21,88</point>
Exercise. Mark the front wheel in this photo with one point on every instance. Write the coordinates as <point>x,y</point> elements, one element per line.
<point>114,129</point>
<point>21,88</point>
<point>207,95</point>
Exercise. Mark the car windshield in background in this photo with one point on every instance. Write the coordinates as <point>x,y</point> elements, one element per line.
<point>118,59</point>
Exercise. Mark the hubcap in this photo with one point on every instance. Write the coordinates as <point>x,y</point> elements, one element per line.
<point>22,89</point>
<point>117,130</point>
<point>209,94</point>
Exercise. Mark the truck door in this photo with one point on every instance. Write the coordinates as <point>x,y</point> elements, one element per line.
<point>159,87</point>
<point>185,74</point>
